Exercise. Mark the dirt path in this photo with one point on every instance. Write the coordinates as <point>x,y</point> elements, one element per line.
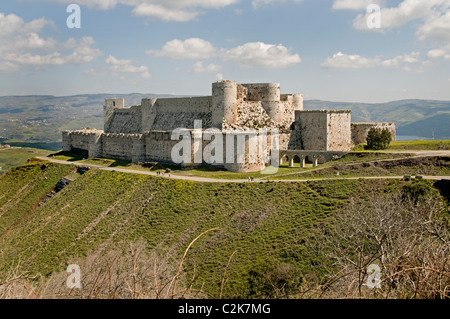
<point>424,153</point>
<point>217,180</point>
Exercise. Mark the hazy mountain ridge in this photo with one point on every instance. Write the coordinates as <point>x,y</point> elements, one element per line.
<point>37,119</point>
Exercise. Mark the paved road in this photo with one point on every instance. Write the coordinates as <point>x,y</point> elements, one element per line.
<point>217,180</point>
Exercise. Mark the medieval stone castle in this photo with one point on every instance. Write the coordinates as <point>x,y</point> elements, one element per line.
<point>143,132</point>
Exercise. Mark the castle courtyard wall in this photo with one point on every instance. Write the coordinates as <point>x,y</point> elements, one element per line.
<point>126,120</point>
<point>359,130</point>
<point>170,114</point>
<point>118,145</point>
<point>339,137</point>
<point>312,127</point>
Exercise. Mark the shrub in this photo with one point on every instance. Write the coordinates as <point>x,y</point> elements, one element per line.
<point>378,139</point>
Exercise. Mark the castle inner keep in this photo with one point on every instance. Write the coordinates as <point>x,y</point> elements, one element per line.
<point>142,133</point>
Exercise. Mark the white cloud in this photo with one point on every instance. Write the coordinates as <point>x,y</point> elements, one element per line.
<point>346,61</point>
<point>118,67</point>
<point>436,53</point>
<point>101,4</point>
<point>198,67</point>
<point>27,48</point>
<point>22,36</point>
<point>83,53</point>
<point>164,13</point>
<point>260,54</point>
<point>251,54</point>
<point>392,17</point>
<point>436,28</point>
<point>260,3</point>
<point>353,4</point>
<point>407,62</point>
<point>443,52</point>
<point>166,10</point>
<point>193,48</point>
<point>12,23</point>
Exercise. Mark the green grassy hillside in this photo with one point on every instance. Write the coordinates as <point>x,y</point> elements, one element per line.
<point>17,156</point>
<point>267,228</point>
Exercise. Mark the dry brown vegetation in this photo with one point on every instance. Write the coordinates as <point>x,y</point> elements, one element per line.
<point>131,272</point>
<point>407,237</point>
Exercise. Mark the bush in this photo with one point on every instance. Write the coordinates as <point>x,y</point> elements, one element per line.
<point>378,139</point>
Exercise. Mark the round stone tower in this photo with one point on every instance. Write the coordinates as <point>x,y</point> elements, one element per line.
<point>298,102</point>
<point>269,96</point>
<point>224,102</point>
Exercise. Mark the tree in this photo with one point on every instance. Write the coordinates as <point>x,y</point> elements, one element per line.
<point>378,139</point>
<point>408,238</point>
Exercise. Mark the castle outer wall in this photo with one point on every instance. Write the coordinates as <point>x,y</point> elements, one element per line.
<point>143,132</point>
<point>360,130</point>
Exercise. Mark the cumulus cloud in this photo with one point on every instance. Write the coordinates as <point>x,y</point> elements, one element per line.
<point>436,28</point>
<point>260,3</point>
<point>118,67</point>
<point>198,67</point>
<point>432,18</point>
<point>100,4</point>
<point>164,13</point>
<point>260,54</point>
<point>251,54</point>
<point>166,10</point>
<point>443,52</point>
<point>353,4</point>
<point>407,62</point>
<point>193,48</point>
<point>347,61</point>
<point>27,48</point>
<point>406,11</point>
<point>12,23</point>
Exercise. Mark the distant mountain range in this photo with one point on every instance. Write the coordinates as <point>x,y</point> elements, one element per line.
<point>37,120</point>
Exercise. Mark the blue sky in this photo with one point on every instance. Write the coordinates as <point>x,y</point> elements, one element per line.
<point>321,48</point>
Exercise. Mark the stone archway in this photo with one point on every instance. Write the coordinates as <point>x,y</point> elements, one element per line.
<point>284,159</point>
<point>291,161</point>
<point>321,159</point>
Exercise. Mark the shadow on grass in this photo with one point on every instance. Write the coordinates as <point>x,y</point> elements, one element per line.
<point>76,157</point>
<point>68,156</point>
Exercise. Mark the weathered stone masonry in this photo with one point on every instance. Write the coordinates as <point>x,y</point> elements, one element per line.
<point>143,132</point>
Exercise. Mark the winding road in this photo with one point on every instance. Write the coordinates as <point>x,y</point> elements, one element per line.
<point>264,179</point>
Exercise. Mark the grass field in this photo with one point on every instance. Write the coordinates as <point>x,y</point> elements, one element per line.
<point>10,157</point>
<point>207,172</point>
<point>18,156</point>
<point>417,145</point>
<point>266,227</point>
<point>421,145</point>
<point>407,167</point>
